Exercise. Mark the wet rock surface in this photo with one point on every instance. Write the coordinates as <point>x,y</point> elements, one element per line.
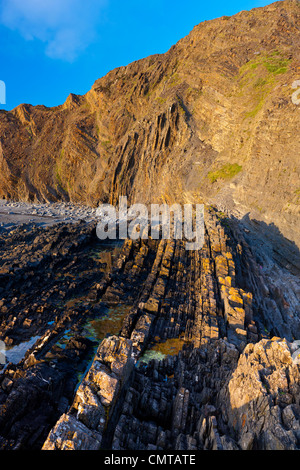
<point>222,373</point>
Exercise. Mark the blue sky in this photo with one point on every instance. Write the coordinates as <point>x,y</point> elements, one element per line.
<point>50,48</point>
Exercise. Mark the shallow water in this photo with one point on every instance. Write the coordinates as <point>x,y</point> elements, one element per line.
<point>16,353</point>
<point>106,253</point>
<point>98,329</point>
<point>107,325</point>
<point>161,349</point>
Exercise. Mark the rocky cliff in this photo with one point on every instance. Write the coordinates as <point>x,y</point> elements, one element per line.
<point>210,120</point>
<point>145,345</point>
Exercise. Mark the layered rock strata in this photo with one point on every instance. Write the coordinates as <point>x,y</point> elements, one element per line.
<point>227,385</point>
<point>210,120</point>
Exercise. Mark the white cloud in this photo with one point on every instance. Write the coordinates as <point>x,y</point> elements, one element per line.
<point>66,27</point>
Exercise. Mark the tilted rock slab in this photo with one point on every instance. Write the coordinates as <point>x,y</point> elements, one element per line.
<point>83,426</point>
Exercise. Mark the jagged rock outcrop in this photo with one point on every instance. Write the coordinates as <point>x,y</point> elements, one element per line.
<point>262,397</point>
<point>224,382</point>
<point>212,119</point>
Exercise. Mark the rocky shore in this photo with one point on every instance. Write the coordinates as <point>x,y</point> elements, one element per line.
<point>18,212</point>
<point>145,345</point>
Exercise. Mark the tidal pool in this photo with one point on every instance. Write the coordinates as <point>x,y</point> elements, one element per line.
<point>16,353</point>
<point>161,349</point>
<point>105,253</point>
<point>107,325</point>
<point>97,329</point>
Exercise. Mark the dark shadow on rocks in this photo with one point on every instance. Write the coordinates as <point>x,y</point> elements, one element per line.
<point>268,239</point>
<point>267,265</point>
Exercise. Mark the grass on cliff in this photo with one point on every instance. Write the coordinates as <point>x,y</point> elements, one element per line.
<point>274,63</point>
<point>227,172</point>
<point>258,77</point>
